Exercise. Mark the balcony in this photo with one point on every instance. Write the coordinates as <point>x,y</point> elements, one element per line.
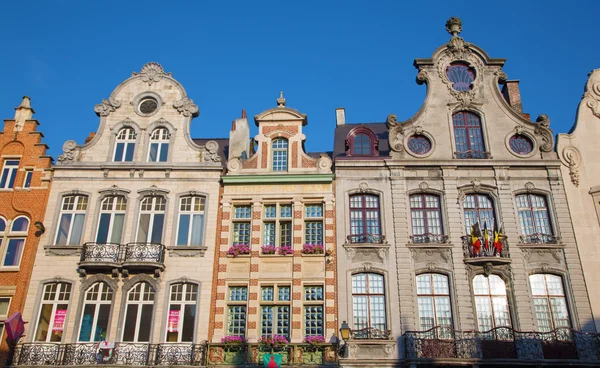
<point>366,239</point>
<point>132,257</point>
<point>370,333</point>
<point>485,252</point>
<point>534,239</point>
<point>169,354</point>
<point>478,155</point>
<point>429,239</point>
<point>562,346</point>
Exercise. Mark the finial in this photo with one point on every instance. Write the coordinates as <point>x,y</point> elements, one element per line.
<point>454,26</point>
<point>243,113</point>
<point>281,100</point>
<point>23,112</point>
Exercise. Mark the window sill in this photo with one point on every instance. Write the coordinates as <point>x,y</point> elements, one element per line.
<point>62,250</point>
<point>275,255</point>
<point>6,190</point>
<point>239,256</point>
<point>313,255</point>
<point>185,251</point>
<point>10,269</point>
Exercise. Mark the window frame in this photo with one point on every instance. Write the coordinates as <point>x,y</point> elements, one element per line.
<point>4,317</point>
<point>163,139</point>
<point>9,235</point>
<point>140,303</point>
<point>27,178</point>
<point>478,209</point>
<point>153,212</point>
<point>112,212</point>
<point>314,220</point>
<point>203,202</point>
<point>435,333</point>
<point>427,236</point>
<point>373,144</point>
<point>368,294</point>
<point>308,303</point>
<point>55,302</point>
<point>366,236</point>
<point>466,118</point>
<point>73,212</point>
<point>490,295</point>
<point>182,303</point>
<point>547,297</point>
<point>276,302</point>
<point>236,303</point>
<point>97,305</point>
<point>126,141</point>
<point>276,164</point>
<point>8,176</point>
<point>536,236</point>
<point>243,224</point>
<point>278,222</point>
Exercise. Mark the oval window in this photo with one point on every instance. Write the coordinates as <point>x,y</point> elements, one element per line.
<point>521,144</point>
<point>461,75</point>
<point>419,144</point>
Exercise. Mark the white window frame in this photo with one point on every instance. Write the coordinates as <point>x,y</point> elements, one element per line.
<point>310,218</point>
<point>145,289</point>
<point>117,206</point>
<point>278,222</point>
<point>158,206</point>
<point>275,301</point>
<point>370,277</point>
<point>282,163</point>
<point>491,299</point>
<point>243,218</point>
<point>79,207</point>
<point>62,289</point>
<point>195,207</point>
<point>3,317</point>
<point>126,136</point>
<point>237,303</point>
<point>27,178</point>
<point>434,295</point>
<point>547,297</point>
<point>9,235</point>
<point>103,289</point>
<point>161,137</point>
<point>9,173</point>
<point>189,296</point>
<point>313,303</point>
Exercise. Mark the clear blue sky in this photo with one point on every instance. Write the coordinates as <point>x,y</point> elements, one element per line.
<point>69,55</point>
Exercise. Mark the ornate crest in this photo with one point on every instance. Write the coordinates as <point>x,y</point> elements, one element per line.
<point>69,152</point>
<point>395,134</point>
<point>186,107</point>
<point>210,153</point>
<point>107,106</point>
<point>543,130</point>
<point>571,158</point>
<point>591,96</point>
<point>151,72</point>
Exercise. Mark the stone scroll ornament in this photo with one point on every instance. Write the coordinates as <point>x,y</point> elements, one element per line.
<point>396,133</point>
<point>591,95</point>
<point>151,72</point>
<point>571,158</point>
<point>186,107</point>
<point>210,153</point>
<point>69,152</point>
<point>107,106</point>
<point>543,130</point>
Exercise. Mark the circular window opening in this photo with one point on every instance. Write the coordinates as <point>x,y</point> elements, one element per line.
<point>461,75</point>
<point>148,105</point>
<point>521,144</point>
<point>419,144</point>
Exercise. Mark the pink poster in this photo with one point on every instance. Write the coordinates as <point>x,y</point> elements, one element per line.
<point>59,319</point>
<point>173,321</point>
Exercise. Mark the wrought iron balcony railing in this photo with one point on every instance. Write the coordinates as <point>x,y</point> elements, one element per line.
<point>370,333</point>
<point>102,256</point>
<point>539,239</point>
<point>144,252</point>
<point>472,155</point>
<point>168,354</point>
<point>100,252</point>
<point>502,343</point>
<point>366,238</point>
<point>429,239</point>
<point>484,248</point>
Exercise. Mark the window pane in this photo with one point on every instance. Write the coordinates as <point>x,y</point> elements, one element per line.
<point>103,227</point>
<point>87,322</point>
<point>164,152</point>
<point>117,229</point>
<point>129,152</point>
<point>182,233</point>
<point>144,228</point>
<point>197,226</point>
<point>145,323</point>
<point>189,318</point>
<point>63,229</point>
<point>157,228</point>
<point>130,323</point>
<point>153,152</point>
<point>77,230</point>
<point>44,322</point>
<point>13,252</point>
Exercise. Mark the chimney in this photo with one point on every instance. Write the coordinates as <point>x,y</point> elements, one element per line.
<point>90,137</point>
<point>340,116</point>
<point>23,112</point>
<point>511,94</point>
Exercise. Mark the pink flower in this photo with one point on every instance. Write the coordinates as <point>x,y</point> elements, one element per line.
<point>286,249</point>
<point>313,249</point>
<point>231,340</point>
<point>314,340</point>
<point>268,249</point>
<point>237,249</point>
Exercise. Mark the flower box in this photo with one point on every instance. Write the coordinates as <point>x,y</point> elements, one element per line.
<point>238,249</point>
<point>313,249</point>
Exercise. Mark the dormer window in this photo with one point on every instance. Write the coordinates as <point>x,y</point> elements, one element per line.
<point>125,145</point>
<point>159,145</point>
<point>280,154</point>
<point>361,141</point>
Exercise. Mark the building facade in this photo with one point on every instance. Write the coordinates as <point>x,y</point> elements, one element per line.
<point>127,255</point>
<point>578,151</point>
<point>24,188</point>
<point>275,271</point>
<point>458,244</point>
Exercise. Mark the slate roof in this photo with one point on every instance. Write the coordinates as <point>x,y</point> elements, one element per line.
<point>223,147</point>
<point>341,132</point>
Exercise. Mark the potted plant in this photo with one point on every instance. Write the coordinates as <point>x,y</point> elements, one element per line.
<point>284,250</point>
<point>313,249</point>
<point>313,351</point>
<point>268,249</point>
<point>238,249</point>
<point>233,349</point>
<point>271,348</point>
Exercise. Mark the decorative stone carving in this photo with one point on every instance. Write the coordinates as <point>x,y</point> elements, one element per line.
<point>69,152</point>
<point>186,107</point>
<point>151,72</point>
<point>543,130</point>
<point>502,77</point>
<point>324,163</point>
<point>529,186</point>
<point>454,26</point>
<point>395,134</point>
<point>187,251</point>
<point>571,158</point>
<point>422,76</point>
<point>352,351</point>
<point>389,349</point>
<point>431,266</point>
<point>382,253</point>
<point>363,186</point>
<point>591,95</point>
<point>351,252</point>
<point>114,190</point>
<point>476,183</point>
<point>107,106</point>
<point>544,267</point>
<point>210,153</point>
<point>234,164</point>
<point>367,266</point>
<point>424,186</point>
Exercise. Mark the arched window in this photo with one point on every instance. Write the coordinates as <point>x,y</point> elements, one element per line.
<point>53,312</point>
<point>12,243</point>
<point>124,145</point>
<point>534,219</point>
<point>362,145</point>
<point>152,219</point>
<point>365,222</point>
<point>361,141</point>
<point>433,298</point>
<point>72,216</point>
<point>181,319</point>
<point>280,154</point>
<point>549,302</point>
<point>426,218</point>
<point>159,145</point>
<point>191,220</point>
<point>368,301</point>
<point>96,313</point>
<point>491,302</point>
<point>139,313</point>
<point>468,135</point>
<point>479,208</point>
<point>112,216</point>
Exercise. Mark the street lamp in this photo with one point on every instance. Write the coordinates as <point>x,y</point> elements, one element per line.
<point>344,335</point>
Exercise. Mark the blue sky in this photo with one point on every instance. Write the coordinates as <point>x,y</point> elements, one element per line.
<point>69,55</point>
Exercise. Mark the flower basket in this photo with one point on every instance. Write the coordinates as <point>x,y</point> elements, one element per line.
<point>285,250</point>
<point>272,343</point>
<point>313,249</point>
<point>268,249</point>
<point>238,249</point>
<point>314,343</point>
